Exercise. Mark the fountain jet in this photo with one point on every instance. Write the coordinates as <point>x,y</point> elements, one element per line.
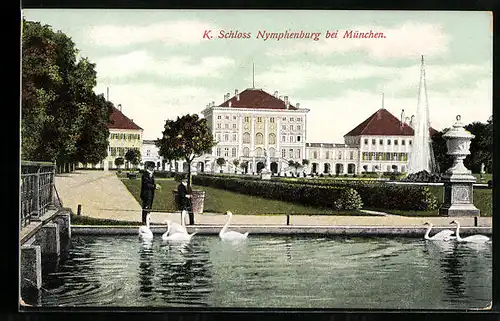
<point>422,156</point>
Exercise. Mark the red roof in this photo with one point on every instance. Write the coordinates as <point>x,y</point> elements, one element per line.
<point>118,120</point>
<point>383,123</point>
<point>256,98</point>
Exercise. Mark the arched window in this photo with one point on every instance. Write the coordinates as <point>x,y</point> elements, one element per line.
<point>259,139</point>
<point>258,152</point>
<point>246,138</point>
<point>246,151</point>
<point>272,139</point>
<point>272,152</point>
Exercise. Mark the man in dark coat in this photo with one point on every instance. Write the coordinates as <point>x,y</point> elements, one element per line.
<point>185,200</point>
<point>148,187</point>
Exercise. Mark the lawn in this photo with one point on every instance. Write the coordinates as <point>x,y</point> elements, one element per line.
<point>220,201</point>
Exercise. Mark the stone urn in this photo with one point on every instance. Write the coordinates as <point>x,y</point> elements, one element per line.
<point>458,180</point>
<point>197,201</point>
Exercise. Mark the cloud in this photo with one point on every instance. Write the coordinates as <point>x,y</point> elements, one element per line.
<point>332,117</point>
<point>150,104</point>
<point>408,40</point>
<point>391,79</point>
<point>169,33</point>
<point>141,61</point>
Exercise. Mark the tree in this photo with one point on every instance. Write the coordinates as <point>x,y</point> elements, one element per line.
<point>305,162</point>
<point>133,156</point>
<point>244,166</point>
<point>187,137</point>
<point>220,161</point>
<point>236,162</point>
<point>440,150</point>
<point>61,118</point>
<point>119,161</point>
<point>481,147</point>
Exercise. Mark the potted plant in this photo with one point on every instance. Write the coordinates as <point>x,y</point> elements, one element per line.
<point>186,138</point>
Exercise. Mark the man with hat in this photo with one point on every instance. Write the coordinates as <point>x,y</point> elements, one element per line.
<point>148,188</point>
<point>185,200</point>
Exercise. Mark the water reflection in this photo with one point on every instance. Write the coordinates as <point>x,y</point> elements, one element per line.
<point>146,268</point>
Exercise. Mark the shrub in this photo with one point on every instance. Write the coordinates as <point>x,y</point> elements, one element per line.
<point>316,195</point>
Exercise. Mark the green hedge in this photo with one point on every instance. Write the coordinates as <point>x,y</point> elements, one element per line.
<point>340,198</point>
<point>374,194</point>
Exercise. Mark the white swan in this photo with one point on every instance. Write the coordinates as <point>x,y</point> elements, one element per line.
<point>176,227</point>
<point>231,235</point>
<point>144,231</point>
<point>444,235</point>
<point>478,238</point>
<point>178,236</point>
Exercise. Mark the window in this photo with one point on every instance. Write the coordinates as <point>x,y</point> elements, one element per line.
<point>291,118</point>
<point>219,117</point>
<point>395,142</point>
<point>283,127</point>
<point>340,155</point>
<point>365,155</point>
<point>298,138</point>
<point>218,137</point>
<point>234,126</point>
<point>218,126</point>
<point>234,117</point>
<point>284,118</point>
<point>272,139</point>
<point>366,141</point>
<point>299,119</point>
<point>259,138</point>
<point>259,119</point>
<point>113,151</point>
<point>283,153</point>
<point>246,151</point>
<point>226,126</point>
<point>227,117</point>
<point>388,142</point>
<point>258,152</point>
<point>233,152</point>
<point>327,155</point>
<point>315,155</point>
<point>291,139</point>
<point>298,127</point>
<point>403,142</point>
<point>226,152</point>
<point>409,142</point>
<point>291,127</point>
<point>351,155</point>
<point>246,138</point>
<point>283,139</point>
<point>247,119</point>
<point>271,120</point>
<point>148,152</point>
<point>234,137</point>
<point>290,153</point>
<point>373,141</point>
<point>218,151</point>
<point>297,153</point>
<point>226,137</point>
<point>388,168</point>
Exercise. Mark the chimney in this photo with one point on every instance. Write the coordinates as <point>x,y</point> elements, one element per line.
<point>280,97</point>
<point>276,94</point>
<point>287,103</point>
<point>213,103</point>
<point>229,103</point>
<point>237,94</point>
<point>228,96</point>
<point>402,117</point>
<point>412,120</point>
<point>297,105</point>
<point>407,120</point>
<point>120,107</point>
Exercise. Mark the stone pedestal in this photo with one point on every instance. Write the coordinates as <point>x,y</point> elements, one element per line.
<point>458,180</point>
<point>265,174</point>
<point>31,267</point>
<point>48,238</point>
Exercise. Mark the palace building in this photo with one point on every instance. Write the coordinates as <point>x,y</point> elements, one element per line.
<point>252,123</point>
<point>124,134</point>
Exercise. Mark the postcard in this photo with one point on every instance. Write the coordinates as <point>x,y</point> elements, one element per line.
<point>256,159</point>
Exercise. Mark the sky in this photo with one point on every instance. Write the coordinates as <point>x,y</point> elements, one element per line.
<point>160,64</point>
